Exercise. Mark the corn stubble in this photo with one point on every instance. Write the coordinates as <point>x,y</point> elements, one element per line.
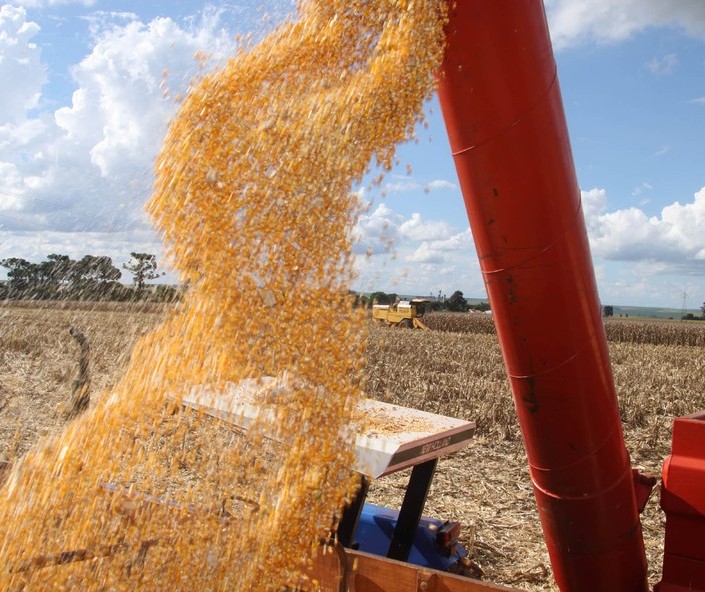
<point>253,197</point>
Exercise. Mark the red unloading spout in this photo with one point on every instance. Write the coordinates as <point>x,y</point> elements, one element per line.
<point>501,102</point>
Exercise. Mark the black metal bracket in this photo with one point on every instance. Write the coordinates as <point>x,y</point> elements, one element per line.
<point>412,509</point>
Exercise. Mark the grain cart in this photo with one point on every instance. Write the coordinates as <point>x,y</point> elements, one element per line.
<point>405,313</point>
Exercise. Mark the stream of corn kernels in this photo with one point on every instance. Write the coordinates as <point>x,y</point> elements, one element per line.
<point>254,200</point>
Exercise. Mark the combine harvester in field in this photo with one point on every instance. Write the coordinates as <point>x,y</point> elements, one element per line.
<point>405,313</point>
<point>501,102</point>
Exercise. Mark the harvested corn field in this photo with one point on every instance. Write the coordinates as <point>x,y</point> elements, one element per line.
<point>656,332</point>
<point>459,374</point>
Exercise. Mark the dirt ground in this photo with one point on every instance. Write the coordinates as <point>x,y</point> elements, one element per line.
<point>486,486</point>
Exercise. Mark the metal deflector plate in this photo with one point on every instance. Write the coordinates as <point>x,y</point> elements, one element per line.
<point>388,437</point>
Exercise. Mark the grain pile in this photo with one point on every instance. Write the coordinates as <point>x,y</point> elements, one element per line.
<point>253,198</point>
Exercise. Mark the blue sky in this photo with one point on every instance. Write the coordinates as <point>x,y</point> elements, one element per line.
<point>88,90</point>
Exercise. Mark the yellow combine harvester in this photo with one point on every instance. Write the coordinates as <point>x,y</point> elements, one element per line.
<point>406,313</point>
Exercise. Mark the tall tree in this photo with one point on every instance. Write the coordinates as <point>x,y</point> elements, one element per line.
<point>55,275</point>
<point>457,302</point>
<point>98,269</point>
<point>22,274</point>
<point>59,268</point>
<point>94,276</point>
<point>702,308</point>
<point>143,267</point>
<point>380,298</point>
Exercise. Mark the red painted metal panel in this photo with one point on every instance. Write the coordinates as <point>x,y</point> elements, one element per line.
<point>683,501</point>
<point>503,110</point>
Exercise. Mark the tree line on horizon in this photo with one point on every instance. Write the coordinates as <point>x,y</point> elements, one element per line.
<point>93,277</point>
<point>456,302</point>
<point>608,311</point>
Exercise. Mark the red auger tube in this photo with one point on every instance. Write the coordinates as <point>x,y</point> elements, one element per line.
<point>502,107</point>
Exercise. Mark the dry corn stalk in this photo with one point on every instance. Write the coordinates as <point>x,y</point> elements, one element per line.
<point>80,395</point>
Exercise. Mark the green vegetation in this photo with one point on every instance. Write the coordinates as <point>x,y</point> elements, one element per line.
<point>91,278</point>
<point>651,312</point>
<point>143,267</point>
<point>455,303</point>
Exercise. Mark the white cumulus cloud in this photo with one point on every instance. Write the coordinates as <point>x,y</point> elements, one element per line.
<point>440,184</point>
<point>121,108</point>
<point>606,21</point>
<point>88,165</point>
<point>415,228</point>
<point>443,249</point>
<point>415,255</point>
<point>20,66</point>
<point>377,231</point>
<point>401,184</point>
<point>675,237</point>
